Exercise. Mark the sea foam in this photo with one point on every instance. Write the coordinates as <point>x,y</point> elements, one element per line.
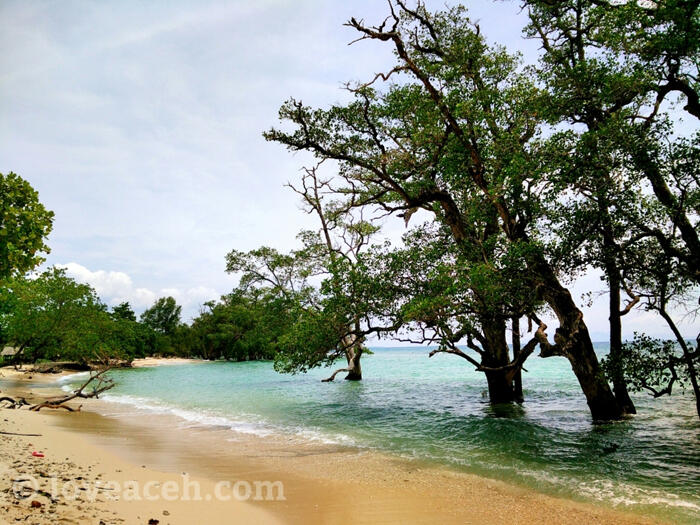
<point>197,418</point>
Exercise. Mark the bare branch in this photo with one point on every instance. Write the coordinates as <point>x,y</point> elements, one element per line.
<point>103,384</point>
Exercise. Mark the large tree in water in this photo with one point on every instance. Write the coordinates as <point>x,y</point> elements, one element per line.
<point>331,320</point>
<point>455,131</point>
<point>613,75</point>
<point>425,292</point>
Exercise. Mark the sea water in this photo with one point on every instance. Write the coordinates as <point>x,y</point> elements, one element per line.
<point>436,409</point>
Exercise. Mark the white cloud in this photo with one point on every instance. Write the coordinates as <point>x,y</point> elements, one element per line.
<point>117,287</point>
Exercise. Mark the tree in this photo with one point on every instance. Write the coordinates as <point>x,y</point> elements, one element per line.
<point>458,138</point>
<point>655,366</point>
<point>592,201</point>
<point>438,296</point>
<point>24,226</point>
<point>656,283</point>
<point>340,241</point>
<point>128,339</point>
<point>329,322</point>
<point>612,70</point>
<point>123,311</point>
<point>271,284</point>
<point>243,325</point>
<point>93,337</point>
<point>163,317</point>
<point>53,317</point>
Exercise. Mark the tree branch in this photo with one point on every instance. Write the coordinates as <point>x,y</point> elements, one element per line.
<point>59,402</point>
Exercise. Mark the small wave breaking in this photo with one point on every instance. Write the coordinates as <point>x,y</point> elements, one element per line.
<point>197,418</point>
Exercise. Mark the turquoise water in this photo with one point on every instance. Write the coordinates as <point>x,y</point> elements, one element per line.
<point>435,409</point>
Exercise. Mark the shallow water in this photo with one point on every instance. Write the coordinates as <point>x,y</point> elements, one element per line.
<point>435,409</point>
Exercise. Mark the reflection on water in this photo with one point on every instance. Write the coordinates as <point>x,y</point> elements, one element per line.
<point>507,410</point>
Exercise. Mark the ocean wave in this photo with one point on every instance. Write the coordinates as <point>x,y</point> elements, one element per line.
<point>67,382</point>
<point>71,377</point>
<point>616,493</point>
<point>631,495</point>
<point>195,418</point>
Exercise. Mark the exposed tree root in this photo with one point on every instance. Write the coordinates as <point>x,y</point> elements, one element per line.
<point>332,377</point>
<point>36,408</point>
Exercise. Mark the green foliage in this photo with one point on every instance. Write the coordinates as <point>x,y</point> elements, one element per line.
<point>163,317</point>
<point>244,325</point>
<point>24,225</point>
<point>53,317</point>
<point>283,274</point>
<point>123,311</point>
<point>652,365</point>
<point>628,172</point>
<point>131,339</point>
<point>311,341</point>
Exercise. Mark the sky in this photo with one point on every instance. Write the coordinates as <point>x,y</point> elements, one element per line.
<point>140,124</point>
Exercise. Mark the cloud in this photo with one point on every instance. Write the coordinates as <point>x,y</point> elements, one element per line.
<point>118,287</point>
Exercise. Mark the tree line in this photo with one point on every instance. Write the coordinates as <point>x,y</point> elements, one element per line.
<point>50,317</point>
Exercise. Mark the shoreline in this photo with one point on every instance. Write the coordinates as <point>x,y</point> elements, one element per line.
<point>143,362</point>
<point>322,483</point>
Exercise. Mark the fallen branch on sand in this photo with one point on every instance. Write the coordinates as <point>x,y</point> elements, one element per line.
<point>99,384</point>
<point>14,403</point>
<point>18,434</point>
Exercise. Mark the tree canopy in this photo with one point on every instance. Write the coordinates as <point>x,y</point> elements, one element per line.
<point>163,317</point>
<point>24,226</point>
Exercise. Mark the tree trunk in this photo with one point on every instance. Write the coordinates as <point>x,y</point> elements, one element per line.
<point>353,353</point>
<point>618,380</point>
<point>353,356</point>
<point>496,354</point>
<point>610,254</point>
<point>601,401</point>
<point>500,389</point>
<point>693,377</point>
<point>573,341</point>
<point>517,378</point>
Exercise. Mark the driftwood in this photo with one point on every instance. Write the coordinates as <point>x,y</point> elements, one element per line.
<point>18,434</point>
<point>56,367</point>
<point>99,385</point>
<point>14,403</point>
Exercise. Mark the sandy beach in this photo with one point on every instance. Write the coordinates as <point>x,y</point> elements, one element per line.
<point>132,468</point>
<point>163,361</point>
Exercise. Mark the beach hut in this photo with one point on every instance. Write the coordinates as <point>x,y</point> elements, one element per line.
<point>8,353</point>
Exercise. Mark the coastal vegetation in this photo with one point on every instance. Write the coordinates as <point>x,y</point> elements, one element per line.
<point>511,181</point>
